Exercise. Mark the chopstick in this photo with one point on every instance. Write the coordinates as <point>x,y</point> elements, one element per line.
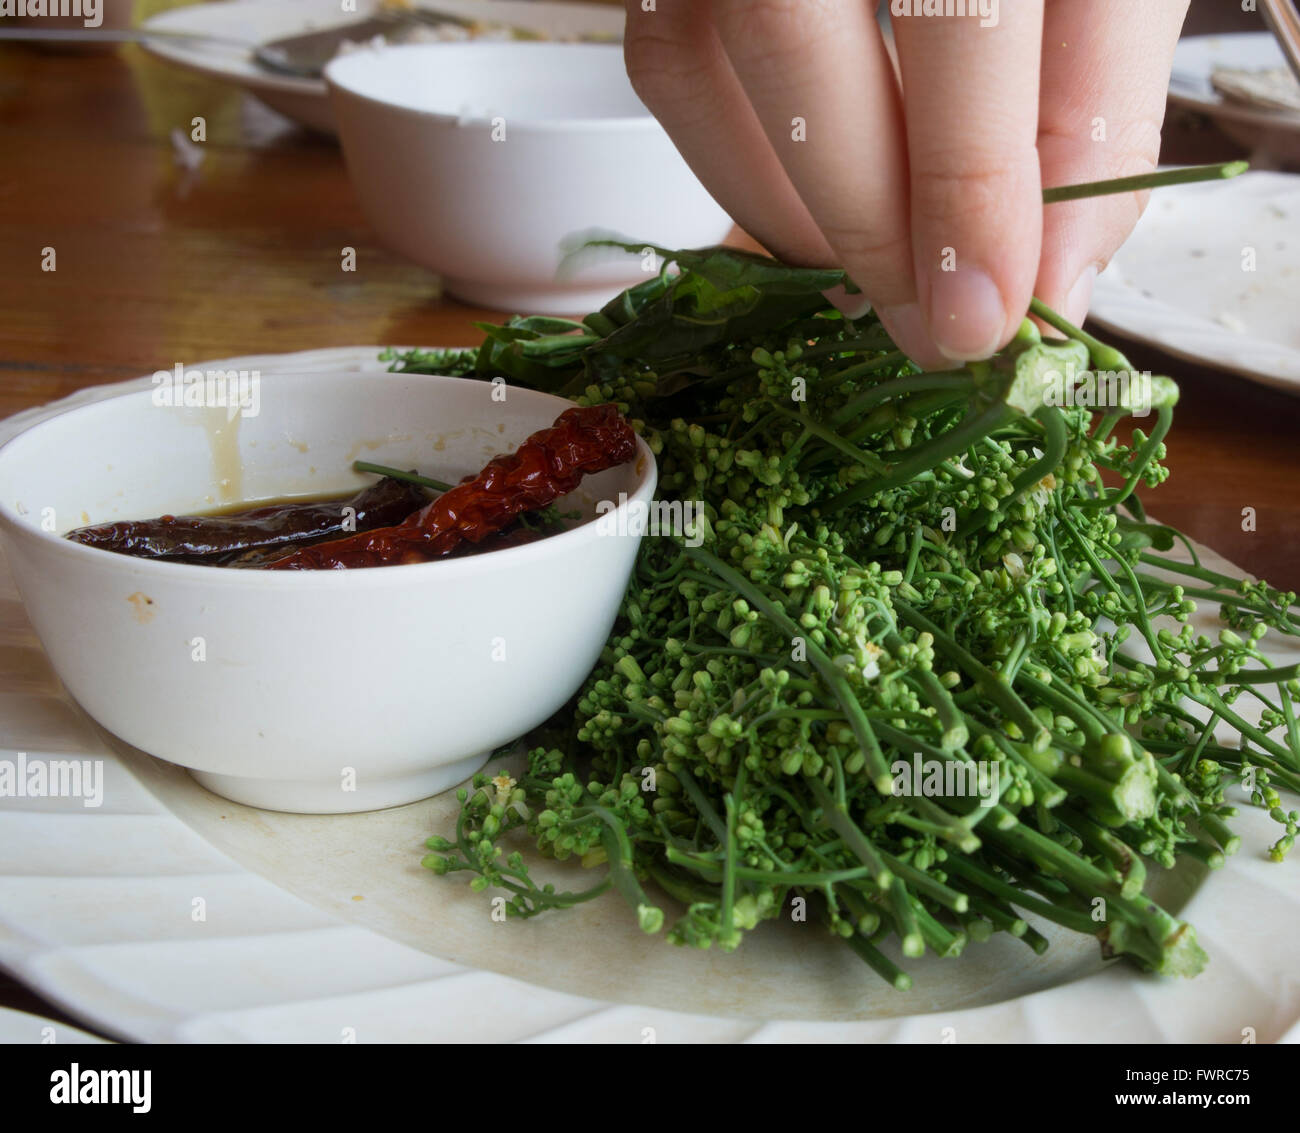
<point>1282,19</point>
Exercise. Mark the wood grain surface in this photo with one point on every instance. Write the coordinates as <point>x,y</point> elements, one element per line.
<point>158,265</point>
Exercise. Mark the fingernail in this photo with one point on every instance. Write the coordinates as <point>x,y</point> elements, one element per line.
<point>1076,303</point>
<point>850,306</point>
<point>967,316</point>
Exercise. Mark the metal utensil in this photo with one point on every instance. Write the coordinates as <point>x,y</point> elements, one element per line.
<point>1284,21</point>
<point>304,55</point>
<point>301,56</point>
<point>118,35</point>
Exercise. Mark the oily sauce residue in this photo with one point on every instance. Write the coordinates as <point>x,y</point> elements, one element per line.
<point>143,607</point>
<point>223,445</point>
<point>239,507</point>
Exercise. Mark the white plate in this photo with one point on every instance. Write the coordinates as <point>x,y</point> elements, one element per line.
<point>20,1027</point>
<point>307,100</point>
<point>1270,134</point>
<point>1178,282</point>
<point>168,914</point>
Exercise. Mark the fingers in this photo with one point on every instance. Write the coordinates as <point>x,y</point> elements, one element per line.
<point>680,71</point>
<point>1100,110</point>
<point>971,93</point>
<point>821,84</point>
<point>789,113</point>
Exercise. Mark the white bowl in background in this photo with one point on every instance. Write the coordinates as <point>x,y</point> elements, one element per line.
<point>311,691</point>
<point>482,161</point>
<point>307,101</point>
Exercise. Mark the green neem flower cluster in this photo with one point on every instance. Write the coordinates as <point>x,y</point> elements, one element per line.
<point>918,675</point>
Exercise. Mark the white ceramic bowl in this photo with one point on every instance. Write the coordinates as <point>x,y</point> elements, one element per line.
<point>481,160</point>
<point>320,691</point>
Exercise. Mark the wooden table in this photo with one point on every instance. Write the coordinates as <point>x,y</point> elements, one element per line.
<point>157,266</point>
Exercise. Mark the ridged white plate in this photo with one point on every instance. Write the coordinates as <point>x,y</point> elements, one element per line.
<point>1184,281</point>
<point>18,1027</point>
<point>307,100</point>
<point>168,914</point>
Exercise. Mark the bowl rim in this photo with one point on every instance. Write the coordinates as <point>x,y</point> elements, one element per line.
<point>14,525</point>
<point>646,122</point>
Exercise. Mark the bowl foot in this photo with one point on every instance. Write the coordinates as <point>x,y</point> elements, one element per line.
<point>318,796</point>
<point>556,299</point>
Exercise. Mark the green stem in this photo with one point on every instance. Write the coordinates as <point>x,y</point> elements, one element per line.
<point>1068,918</point>
<point>1103,357</point>
<point>955,380</point>
<point>1251,676</point>
<point>868,460</point>
<point>1144,181</point>
<point>618,850</point>
<point>881,964</point>
<point>927,456</point>
<point>1132,873</point>
<point>712,871</point>
<point>993,686</point>
<point>727,935</point>
<point>399,474</point>
<point>702,805</point>
<point>837,816</point>
<point>926,885</point>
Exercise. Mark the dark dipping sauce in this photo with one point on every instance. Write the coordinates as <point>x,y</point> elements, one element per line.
<point>252,535</point>
<point>512,500</point>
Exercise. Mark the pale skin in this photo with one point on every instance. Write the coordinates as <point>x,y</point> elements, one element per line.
<point>939,165</point>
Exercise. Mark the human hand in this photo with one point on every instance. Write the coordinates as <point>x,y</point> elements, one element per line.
<point>928,192</point>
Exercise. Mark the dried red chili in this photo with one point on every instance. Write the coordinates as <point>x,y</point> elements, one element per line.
<point>548,465</point>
